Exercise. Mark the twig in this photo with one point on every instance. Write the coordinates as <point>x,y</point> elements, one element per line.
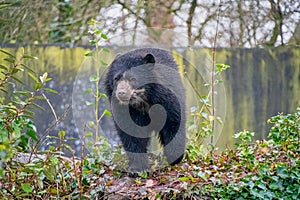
<point>81,165</point>
<point>50,105</point>
<point>134,13</point>
<point>97,106</point>
<point>213,72</point>
<point>52,125</point>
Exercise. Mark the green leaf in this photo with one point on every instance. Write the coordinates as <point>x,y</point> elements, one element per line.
<point>106,50</point>
<point>48,79</point>
<point>7,53</point>
<point>38,86</point>
<point>3,90</point>
<point>102,95</point>
<point>4,73</point>
<point>34,77</point>
<point>4,5</point>
<point>52,148</point>
<point>91,124</point>
<point>15,70</point>
<point>37,106</point>
<point>32,134</point>
<point>3,67</point>
<point>282,172</point>
<point>24,92</point>
<point>103,63</point>
<point>92,42</point>
<point>204,100</point>
<point>31,57</point>
<point>61,134</point>
<point>262,186</point>
<point>104,36</point>
<point>28,114</point>
<point>98,31</point>
<point>107,113</point>
<point>221,67</point>
<point>185,178</point>
<point>48,174</point>
<point>72,138</point>
<point>257,193</point>
<point>91,22</point>
<point>94,78</point>
<point>68,147</point>
<point>28,68</point>
<point>16,79</point>
<point>26,187</point>
<point>40,97</point>
<point>91,53</point>
<point>24,141</point>
<point>143,174</point>
<point>276,186</point>
<point>51,90</point>
<point>10,60</point>
<point>89,90</point>
<point>53,160</point>
<point>89,134</point>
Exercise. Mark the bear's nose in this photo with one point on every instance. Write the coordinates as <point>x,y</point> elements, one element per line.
<point>123,95</point>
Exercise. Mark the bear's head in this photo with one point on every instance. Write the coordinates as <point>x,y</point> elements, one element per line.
<point>128,86</point>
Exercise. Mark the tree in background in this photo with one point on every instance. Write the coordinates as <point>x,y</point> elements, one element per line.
<point>241,23</point>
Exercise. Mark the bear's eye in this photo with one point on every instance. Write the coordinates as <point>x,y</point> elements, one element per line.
<point>132,79</point>
<point>117,78</point>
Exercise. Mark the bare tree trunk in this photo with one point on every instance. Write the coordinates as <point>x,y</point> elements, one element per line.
<point>161,19</point>
<point>295,39</point>
<point>190,19</point>
<point>277,15</point>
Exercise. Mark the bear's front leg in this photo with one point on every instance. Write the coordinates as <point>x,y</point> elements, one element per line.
<point>136,149</point>
<point>173,138</point>
<point>138,162</point>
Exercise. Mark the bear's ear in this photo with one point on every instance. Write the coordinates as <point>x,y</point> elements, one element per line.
<point>118,55</point>
<point>149,58</point>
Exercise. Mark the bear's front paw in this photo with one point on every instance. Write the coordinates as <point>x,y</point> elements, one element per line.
<point>137,164</point>
<point>133,173</point>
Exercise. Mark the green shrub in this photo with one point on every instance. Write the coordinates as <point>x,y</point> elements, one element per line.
<point>266,169</point>
<point>16,126</point>
<point>286,130</point>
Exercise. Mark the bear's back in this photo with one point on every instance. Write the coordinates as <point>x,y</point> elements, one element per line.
<point>161,56</point>
<point>135,57</point>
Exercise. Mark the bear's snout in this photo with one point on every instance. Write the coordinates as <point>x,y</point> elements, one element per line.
<point>124,91</point>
